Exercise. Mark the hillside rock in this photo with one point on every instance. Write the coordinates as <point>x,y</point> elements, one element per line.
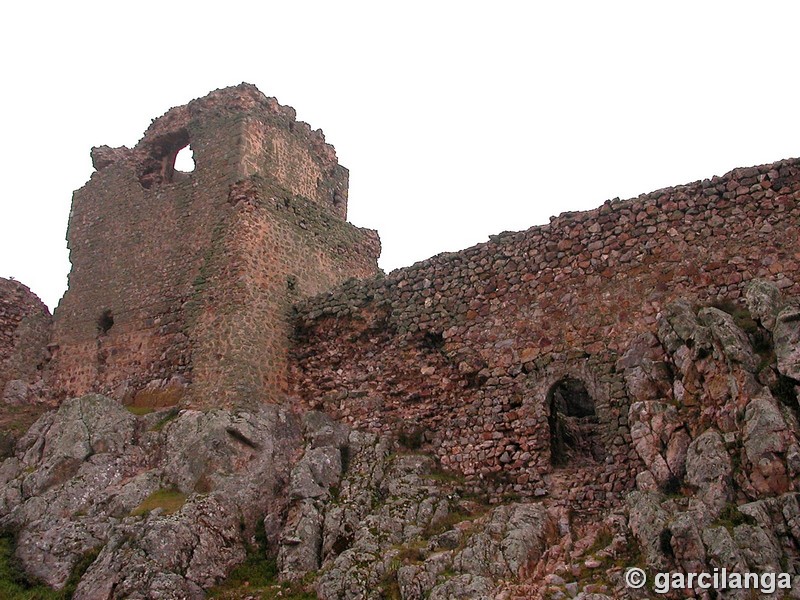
<point>80,473</point>
<point>734,506</point>
<point>169,502</point>
<point>382,520</point>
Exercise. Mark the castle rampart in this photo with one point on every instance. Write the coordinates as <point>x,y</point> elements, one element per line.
<point>468,348</point>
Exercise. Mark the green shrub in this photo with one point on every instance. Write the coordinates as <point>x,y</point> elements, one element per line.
<point>16,585</point>
<point>257,577</point>
<point>170,416</point>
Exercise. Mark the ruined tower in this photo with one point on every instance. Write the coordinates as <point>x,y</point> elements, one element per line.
<point>182,283</point>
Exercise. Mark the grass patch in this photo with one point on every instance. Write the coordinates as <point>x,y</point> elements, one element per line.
<point>412,553</point>
<point>139,411</point>
<point>171,500</point>
<point>257,577</point>
<point>446,524</point>
<point>170,416</point>
<point>731,517</point>
<point>157,398</point>
<point>16,585</point>
<point>440,475</point>
<point>767,359</point>
<point>258,571</point>
<point>601,542</point>
<point>390,588</point>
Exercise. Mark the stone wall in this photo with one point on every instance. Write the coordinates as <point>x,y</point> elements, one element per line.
<point>464,349</point>
<point>25,328</point>
<point>169,268</point>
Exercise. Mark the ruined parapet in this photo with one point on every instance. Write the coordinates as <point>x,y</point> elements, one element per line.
<point>181,283</point>
<point>25,328</point>
<point>478,341</point>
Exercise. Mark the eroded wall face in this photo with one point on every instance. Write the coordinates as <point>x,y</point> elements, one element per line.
<point>136,253</point>
<point>25,329</point>
<point>168,268</point>
<point>280,249</point>
<point>299,163</point>
<point>465,347</point>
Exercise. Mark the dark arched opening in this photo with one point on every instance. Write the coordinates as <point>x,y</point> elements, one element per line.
<point>105,322</point>
<point>573,424</point>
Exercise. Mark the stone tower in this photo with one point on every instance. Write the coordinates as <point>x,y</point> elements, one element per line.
<point>182,283</point>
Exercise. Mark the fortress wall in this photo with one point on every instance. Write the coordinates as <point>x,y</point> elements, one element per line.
<point>465,346</point>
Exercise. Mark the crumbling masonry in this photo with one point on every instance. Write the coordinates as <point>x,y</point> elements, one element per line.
<point>241,282</point>
<point>181,283</point>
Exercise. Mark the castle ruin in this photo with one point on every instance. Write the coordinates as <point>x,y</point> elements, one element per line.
<point>242,282</point>
<point>542,364</point>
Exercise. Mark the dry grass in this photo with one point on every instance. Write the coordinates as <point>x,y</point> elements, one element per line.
<point>156,398</point>
<point>170,500</point>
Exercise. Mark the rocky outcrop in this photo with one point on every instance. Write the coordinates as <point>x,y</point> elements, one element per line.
<point>374,521</point>
<point>169,502</point>
<point>165,505</point>
<point>730,499</point>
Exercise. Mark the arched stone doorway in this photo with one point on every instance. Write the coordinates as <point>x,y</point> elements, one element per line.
<point>573,424</point>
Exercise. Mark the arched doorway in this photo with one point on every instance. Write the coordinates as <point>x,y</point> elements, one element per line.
<point>573,424</point>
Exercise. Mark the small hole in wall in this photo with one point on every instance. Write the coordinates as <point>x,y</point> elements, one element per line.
<point>105,322</point>
<point>433,340</point>
<point>184,160</point>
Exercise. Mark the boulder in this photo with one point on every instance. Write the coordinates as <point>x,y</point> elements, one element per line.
<point>709,471</point>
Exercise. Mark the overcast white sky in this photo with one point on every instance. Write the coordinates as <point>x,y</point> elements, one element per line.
<point>456,119</point>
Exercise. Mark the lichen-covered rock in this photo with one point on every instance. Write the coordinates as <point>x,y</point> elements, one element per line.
<point>377,520</point>
<point>659,439</point>
<point>80,472</point>
<point>647,520</point>
<point>366,522</point>
<point>766,441</point>
<point>787,342</point>
<point>733,341</point>
<point>314,479</point>
<point>709,471</point>
<point>514,537</point>
<point>464,587</point>
<point>722,550</point>
<point>686,541</point>
<point>197,546</point>
<point>679,327</point>
<point>764,302</point>
<point>759,548</point>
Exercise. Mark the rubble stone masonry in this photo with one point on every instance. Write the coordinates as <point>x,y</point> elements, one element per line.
<point>463,351</point>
